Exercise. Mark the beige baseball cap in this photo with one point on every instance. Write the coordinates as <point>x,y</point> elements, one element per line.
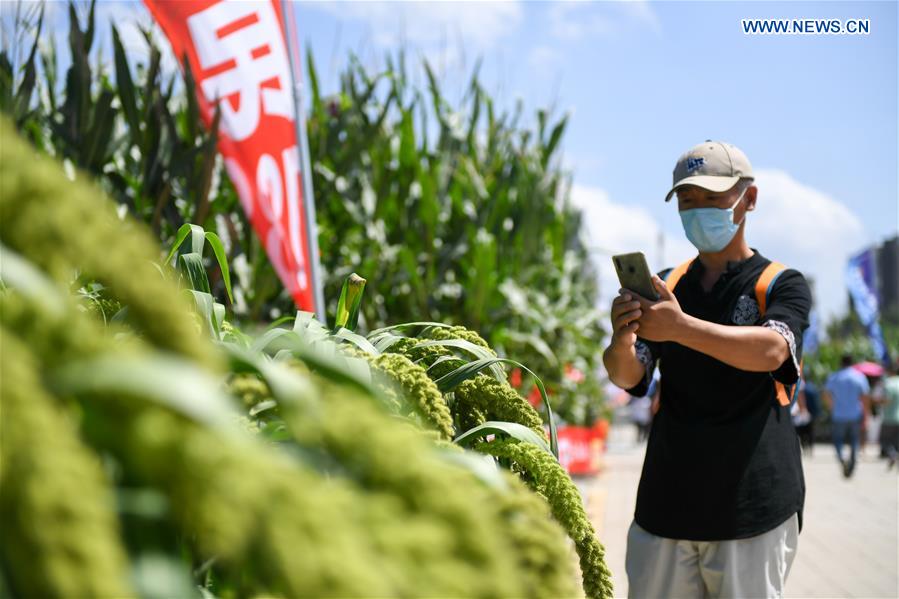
<point>712,165</point>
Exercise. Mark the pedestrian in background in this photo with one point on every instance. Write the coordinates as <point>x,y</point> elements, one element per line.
<point>806,410</point>
<point>847,397</point>
<point>641,410</point>
<point>889,430</point>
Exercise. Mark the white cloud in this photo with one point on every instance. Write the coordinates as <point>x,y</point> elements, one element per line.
<point>573,21</point>
<point>481,24</point>
<point>545,60</point>
<point>806,229</point>
<point>617,228</point>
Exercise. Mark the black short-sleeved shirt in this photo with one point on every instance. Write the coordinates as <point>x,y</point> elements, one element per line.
<point>723,459</point>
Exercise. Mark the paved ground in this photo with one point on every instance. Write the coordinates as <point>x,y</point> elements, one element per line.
<point>849,545</point>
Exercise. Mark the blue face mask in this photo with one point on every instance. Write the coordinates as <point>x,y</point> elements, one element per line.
<point>711,229</point>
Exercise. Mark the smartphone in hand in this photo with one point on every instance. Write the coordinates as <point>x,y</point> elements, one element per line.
<point>634,275</point>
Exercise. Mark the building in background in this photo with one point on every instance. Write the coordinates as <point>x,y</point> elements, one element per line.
<point>888,278</point>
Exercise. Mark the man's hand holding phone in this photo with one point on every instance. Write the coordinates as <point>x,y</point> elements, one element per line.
<point>660,320</point>
<point>656,318</point>
<point>625,312</point>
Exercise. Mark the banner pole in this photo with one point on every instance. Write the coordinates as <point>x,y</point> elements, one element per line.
<point>293,56</point>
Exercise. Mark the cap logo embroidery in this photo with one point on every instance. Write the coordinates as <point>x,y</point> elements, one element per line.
<point>694,163</point>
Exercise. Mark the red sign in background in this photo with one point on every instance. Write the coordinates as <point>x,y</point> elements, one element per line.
<point>581,448</point>
<point>237,51</point>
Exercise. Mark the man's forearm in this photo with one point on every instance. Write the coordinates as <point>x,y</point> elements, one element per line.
<point>624,369</point>
<point>754,349</point>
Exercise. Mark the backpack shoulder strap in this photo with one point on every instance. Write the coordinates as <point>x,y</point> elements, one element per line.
<point>765,284</point>
<point>675,274</point>
<point>763,288</point>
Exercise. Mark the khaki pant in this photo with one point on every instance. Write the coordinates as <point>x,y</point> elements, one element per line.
<point>753,568</point>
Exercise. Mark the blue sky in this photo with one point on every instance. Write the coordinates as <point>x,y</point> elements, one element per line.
<point>644,81</point>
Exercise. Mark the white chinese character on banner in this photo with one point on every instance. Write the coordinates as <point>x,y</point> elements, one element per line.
<point>248,35</point>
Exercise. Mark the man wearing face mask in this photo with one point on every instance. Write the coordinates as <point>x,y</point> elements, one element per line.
<point>719,505</point>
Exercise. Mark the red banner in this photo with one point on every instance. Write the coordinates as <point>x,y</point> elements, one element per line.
<point>239,57</point>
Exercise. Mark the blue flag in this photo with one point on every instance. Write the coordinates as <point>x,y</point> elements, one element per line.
<point>861,284</point>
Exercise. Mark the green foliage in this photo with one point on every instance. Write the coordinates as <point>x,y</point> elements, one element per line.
<point>847,336</point>
<point>455,208</point>
<point>283,474</point>
<point>35,222</point>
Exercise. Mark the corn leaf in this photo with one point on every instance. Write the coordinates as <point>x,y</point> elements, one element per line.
<point>192,266</point>
<point>221,257</point>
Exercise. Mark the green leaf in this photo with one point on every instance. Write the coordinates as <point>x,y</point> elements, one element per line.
<point>482,466</point>
<point>206,306</point>
<point>26,87</point>
<point>478,351</point>
<point>307,326</point>
<point>219,250</point>
<point>554,138</point>
<point>283,320</point>
<point>286,386</point>
<point>385,341</point>
<point>182,234</point>
<point>408,325</point>
<point>450,380</point>
<point>159,576</point>
<point>23,276</point>
<point>349,302</point>
<point>357,340</point>
<point>535,341</point>
<point>165,380</point>
<point>262,406</point>
<point>443,359</point>
<point>125,84</point>
<point>261,344</point>
<point>509,429</point>
<point>192,266</point>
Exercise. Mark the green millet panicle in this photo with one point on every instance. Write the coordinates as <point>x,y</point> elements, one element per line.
<point>477,399</point>
<point>252,507</point>
<point>457,332</point>
<point>498,401</point>
<point>249,389</point>
<point>467,416</point>
<point>64,226</point>
<point>539,541</point>
<point>425,356</point>
<point>56,339</point>
<point>60,533</point>
<point>440,500</point>
<point>419,389</point>
<point>547,477</point>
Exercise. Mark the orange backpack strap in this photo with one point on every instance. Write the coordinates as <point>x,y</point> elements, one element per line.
<point>765,284</point>
<point>784,397</point>
<point>675,274</point>
<point>763,289</point>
